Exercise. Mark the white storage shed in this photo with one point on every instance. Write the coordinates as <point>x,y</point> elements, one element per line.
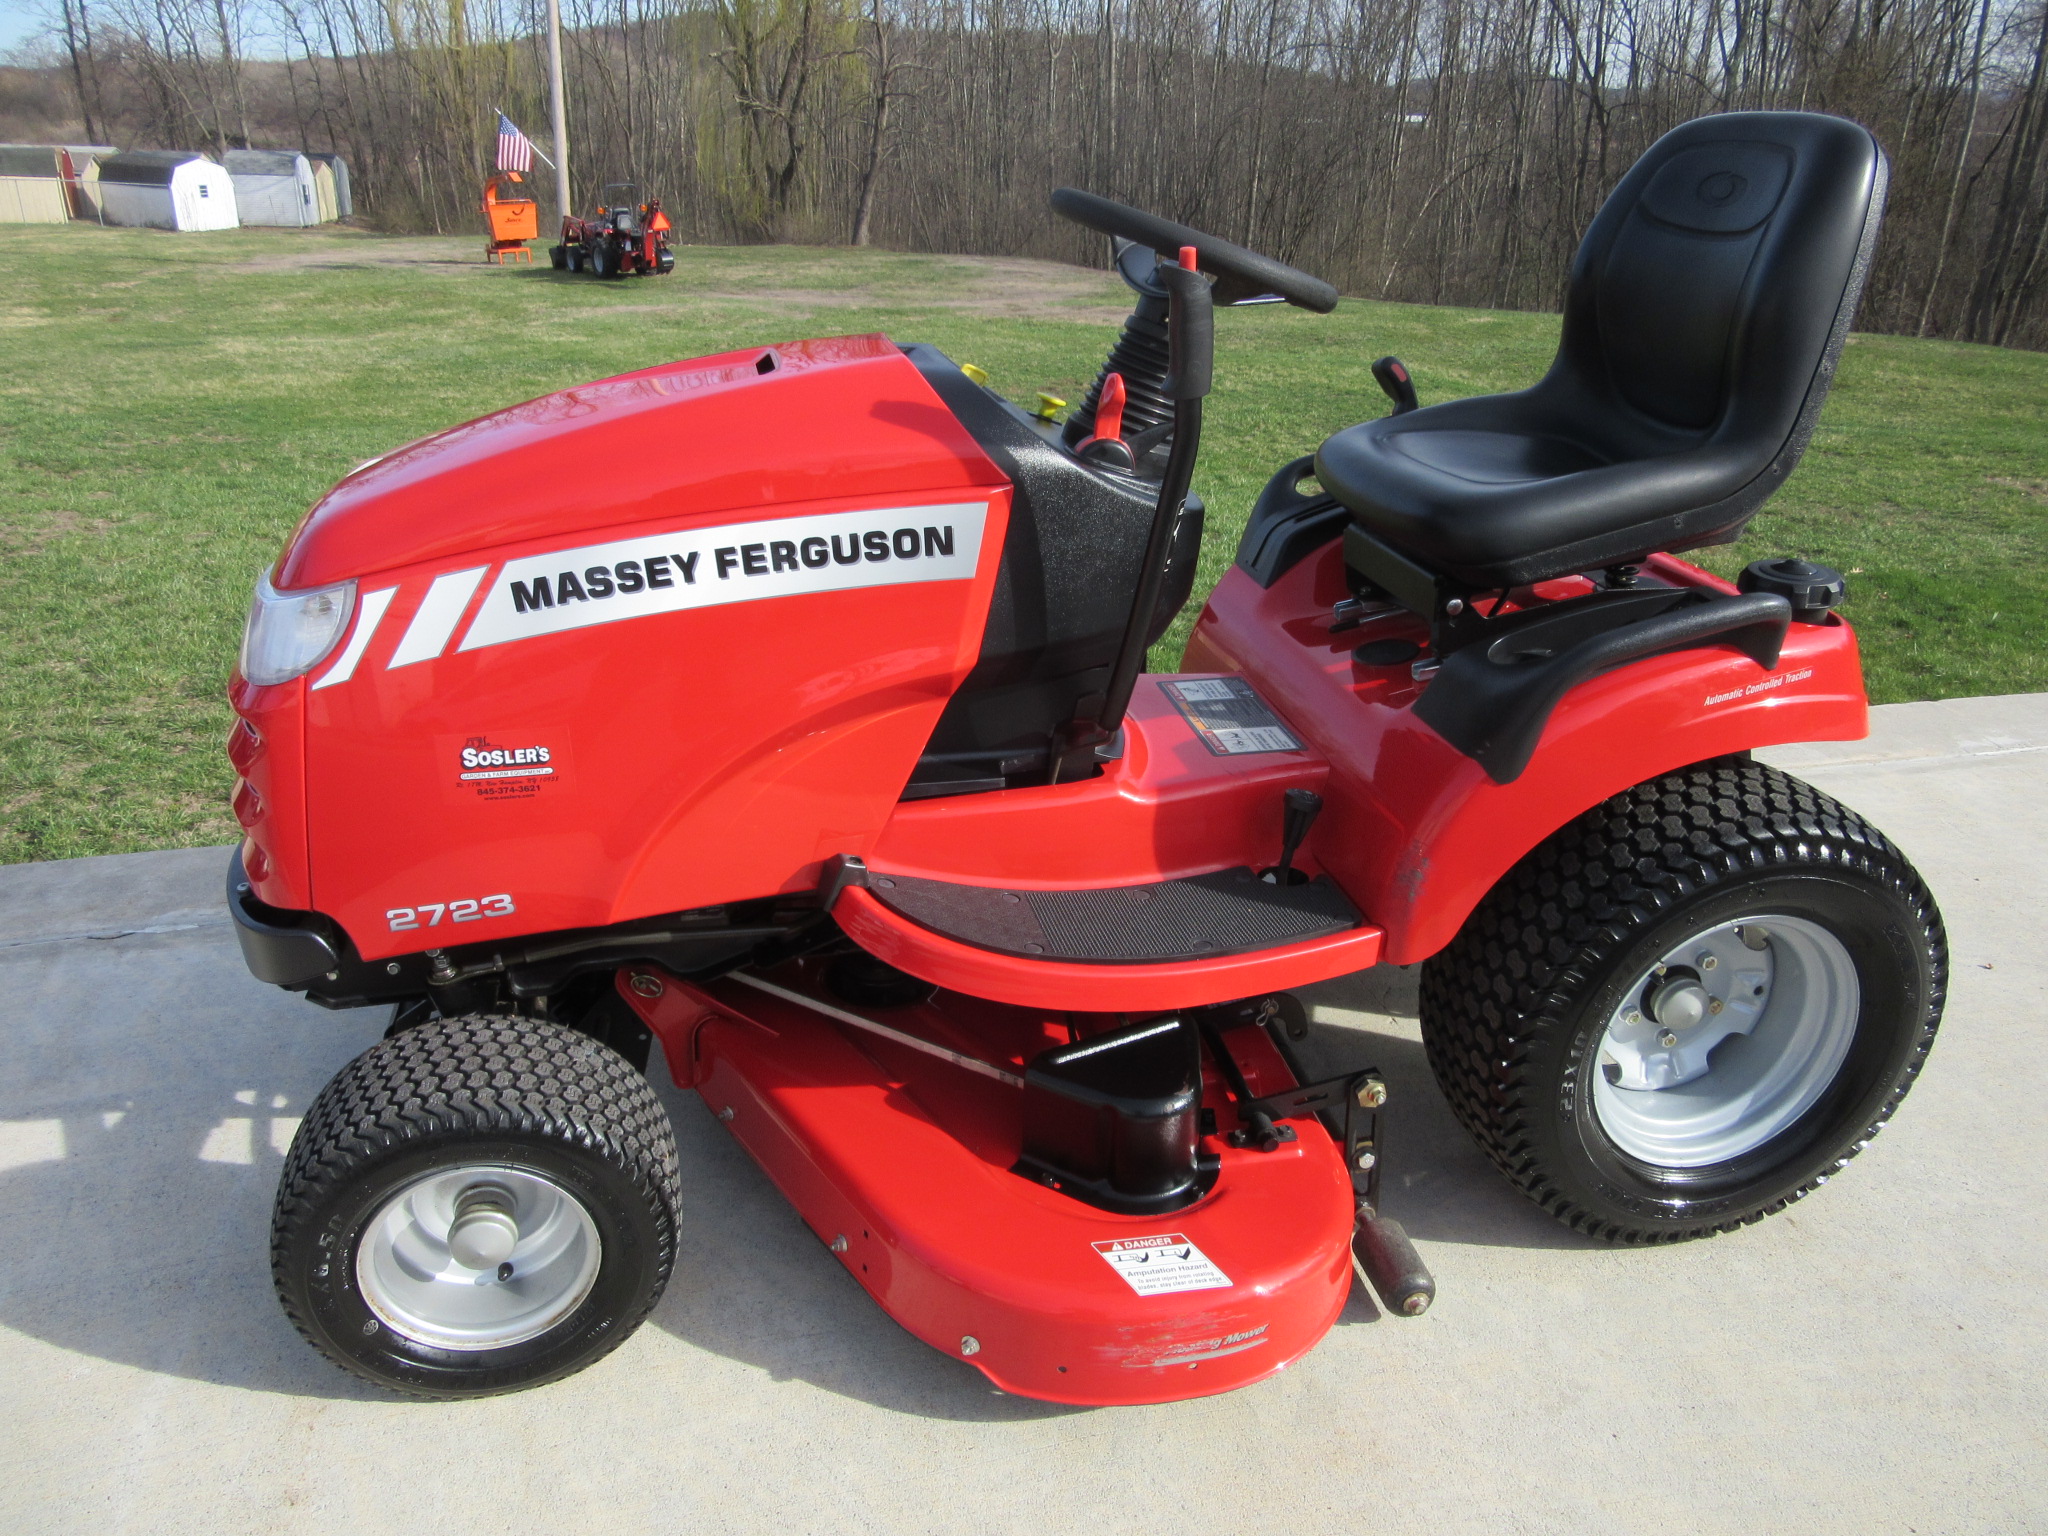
<point>273,186</point>
<point>32,185</point>
<point>166,189</point>
<point>344,204</point>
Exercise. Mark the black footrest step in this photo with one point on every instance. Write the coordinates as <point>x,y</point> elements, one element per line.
<point>1229,912</point>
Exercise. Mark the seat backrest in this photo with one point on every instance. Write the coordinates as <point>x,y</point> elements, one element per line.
<point>1710,298</point>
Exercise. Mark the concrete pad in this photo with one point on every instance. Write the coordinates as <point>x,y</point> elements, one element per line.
<point>1874,1360</point>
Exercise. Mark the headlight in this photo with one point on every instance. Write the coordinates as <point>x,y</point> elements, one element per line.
<point>288,632</point>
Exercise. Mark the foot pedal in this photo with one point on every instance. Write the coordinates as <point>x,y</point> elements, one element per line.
<point>1383,1251</point>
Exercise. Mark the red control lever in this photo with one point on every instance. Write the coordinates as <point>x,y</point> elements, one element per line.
<point>1109,411</point>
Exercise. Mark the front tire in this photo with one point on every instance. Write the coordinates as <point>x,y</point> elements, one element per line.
<point>1689,1007</point>
<point>475,1206</point>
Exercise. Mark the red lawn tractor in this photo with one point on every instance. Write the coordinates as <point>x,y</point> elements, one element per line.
<point>813,742</point>
<point>622,235</point>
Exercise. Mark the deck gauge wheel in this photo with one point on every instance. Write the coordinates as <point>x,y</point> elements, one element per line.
<point>1691,1006</point>
<point>475,1206</point>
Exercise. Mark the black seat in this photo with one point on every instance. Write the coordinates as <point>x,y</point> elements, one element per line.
<point>1706,309</point>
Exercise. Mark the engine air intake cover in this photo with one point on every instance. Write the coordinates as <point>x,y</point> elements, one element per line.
<point>1114,1119</point>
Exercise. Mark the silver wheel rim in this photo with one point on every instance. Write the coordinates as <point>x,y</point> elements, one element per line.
<point>1726,1041</point>
<point>478,1256</point>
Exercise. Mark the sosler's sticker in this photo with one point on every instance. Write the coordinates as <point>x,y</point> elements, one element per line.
<point>503,766</point>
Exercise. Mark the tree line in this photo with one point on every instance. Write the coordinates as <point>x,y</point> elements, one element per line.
<point>1445,151</point>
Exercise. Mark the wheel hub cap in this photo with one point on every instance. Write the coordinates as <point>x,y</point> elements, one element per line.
<point>1725,1041</point>
<point>476,1257</point>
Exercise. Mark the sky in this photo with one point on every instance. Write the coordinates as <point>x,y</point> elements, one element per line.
<point>17,21</point>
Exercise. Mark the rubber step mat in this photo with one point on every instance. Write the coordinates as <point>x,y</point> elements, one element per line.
<point>1229,912</point>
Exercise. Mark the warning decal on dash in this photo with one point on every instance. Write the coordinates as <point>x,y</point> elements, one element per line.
<point>1229,717</point>
<point>1159,1266</point>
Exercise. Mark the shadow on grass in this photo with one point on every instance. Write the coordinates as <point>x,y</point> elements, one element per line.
<point>148,1098</point>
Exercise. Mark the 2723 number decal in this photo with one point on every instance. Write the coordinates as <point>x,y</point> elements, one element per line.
<point>428,914</point>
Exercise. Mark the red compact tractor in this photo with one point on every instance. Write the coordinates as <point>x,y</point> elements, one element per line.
<point>621,235</point>
<point>812,741</point>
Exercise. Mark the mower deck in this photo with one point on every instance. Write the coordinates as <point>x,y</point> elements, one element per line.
<point>903,1161</point>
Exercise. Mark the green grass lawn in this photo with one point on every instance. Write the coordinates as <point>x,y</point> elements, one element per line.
<point>174,402</point>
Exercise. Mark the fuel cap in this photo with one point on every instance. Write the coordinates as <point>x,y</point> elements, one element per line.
<point>1811,589</point>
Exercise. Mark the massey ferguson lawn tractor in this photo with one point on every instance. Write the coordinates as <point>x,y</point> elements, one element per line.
<point>812,742</point>
<point>621,235</point>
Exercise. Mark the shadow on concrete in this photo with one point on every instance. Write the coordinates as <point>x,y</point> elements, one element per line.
<point>1436,1182</point>
<point>144,1105</point>
<point>145,1113</point>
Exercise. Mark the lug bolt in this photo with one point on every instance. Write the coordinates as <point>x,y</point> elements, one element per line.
<point>1708,962</point>
<point>1715,1005</point>
<point>1633,1016</point>
<point>1667,1039</point>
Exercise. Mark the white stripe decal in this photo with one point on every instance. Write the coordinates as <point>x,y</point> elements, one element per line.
<point>732,563</point>
<point>439,612</point>
<point>369,614</point>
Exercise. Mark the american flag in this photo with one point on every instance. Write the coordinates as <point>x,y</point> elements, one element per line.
<point>515,149</point>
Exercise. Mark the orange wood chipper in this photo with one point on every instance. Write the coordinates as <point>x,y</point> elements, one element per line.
<point>511,216</point>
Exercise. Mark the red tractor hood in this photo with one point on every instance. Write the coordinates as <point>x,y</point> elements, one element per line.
<point>766,427</point>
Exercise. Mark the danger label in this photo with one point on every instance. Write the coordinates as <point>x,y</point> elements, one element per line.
<point>1159,1266</point>
<point>1229,717</point>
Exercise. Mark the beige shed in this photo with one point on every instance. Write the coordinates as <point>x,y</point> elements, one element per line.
<point>32,185</point>
<point>323,191</point>
<point>81,164</point>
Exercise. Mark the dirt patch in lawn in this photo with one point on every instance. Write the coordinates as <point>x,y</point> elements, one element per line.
<point>1009,287</point>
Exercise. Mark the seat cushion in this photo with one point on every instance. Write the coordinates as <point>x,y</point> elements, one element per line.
<point>1491,492</point>
<point>1702,320</point>
<point>1492,458</point>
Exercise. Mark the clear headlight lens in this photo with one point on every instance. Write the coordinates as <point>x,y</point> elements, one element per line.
<point>288,632</point>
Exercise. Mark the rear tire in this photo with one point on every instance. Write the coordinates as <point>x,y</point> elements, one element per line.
<point>1564,1023</point>
<point>475,1206</point>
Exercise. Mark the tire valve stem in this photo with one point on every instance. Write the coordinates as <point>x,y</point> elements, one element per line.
<point>504,1272</point>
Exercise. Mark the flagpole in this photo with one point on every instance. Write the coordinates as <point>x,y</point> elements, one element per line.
<point>557,116</point>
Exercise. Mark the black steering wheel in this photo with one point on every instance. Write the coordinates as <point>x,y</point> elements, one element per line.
<point>1240,274</point>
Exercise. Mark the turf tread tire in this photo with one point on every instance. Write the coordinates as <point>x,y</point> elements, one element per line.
<point>457,1081</point>
<point>1525,955</point>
